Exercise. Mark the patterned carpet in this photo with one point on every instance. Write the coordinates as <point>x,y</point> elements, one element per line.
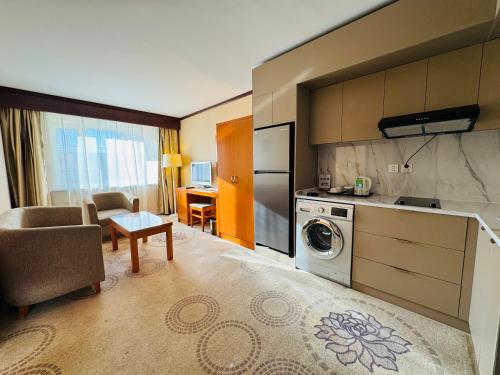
<point>220,309</point>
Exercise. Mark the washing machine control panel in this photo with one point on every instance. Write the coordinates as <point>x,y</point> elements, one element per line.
<point>327,209</point>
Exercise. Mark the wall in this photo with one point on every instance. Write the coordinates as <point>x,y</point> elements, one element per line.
<point>4,188</point>
<point>197,136</point>
<point>453,167</point>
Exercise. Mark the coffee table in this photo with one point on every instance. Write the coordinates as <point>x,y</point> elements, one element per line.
<point>140,225</point>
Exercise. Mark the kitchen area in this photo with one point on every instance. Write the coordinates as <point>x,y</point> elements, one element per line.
<point>396,173</point>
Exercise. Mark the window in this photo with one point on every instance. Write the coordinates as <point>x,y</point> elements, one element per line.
<point>98,155</point>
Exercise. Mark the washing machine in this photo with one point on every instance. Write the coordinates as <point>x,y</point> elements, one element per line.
<point>323,242</point>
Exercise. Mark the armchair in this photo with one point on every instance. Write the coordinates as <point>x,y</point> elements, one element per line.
<point>99,207</point>
<point>46,252</point>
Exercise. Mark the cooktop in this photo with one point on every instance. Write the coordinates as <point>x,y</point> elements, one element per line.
<point>418,202</point>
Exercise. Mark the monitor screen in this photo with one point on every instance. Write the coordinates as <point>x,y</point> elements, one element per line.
<point>201,173</point>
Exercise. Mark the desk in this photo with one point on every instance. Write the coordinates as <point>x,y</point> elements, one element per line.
<point>185,197</point>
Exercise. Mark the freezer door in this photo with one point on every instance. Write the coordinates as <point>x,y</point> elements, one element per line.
<point>272,210</point>
<point>271,149</point>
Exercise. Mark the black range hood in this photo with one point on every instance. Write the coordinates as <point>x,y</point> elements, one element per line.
<point>451,120</point>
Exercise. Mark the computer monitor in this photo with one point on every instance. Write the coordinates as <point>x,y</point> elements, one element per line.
<point>201,173</point>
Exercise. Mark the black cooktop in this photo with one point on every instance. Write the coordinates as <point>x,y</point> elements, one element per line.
<point>418,202</point>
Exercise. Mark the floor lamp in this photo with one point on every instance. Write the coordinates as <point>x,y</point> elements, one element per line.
<point>172,161</point>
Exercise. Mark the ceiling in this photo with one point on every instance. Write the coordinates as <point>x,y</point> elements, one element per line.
<point>172,57</point>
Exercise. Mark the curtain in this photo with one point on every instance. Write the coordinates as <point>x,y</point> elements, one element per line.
<point>22,144</point>
<point>168,177</point>
<point>86,155</point>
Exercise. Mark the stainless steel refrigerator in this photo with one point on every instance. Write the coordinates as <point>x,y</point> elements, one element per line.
<point>273,187</point>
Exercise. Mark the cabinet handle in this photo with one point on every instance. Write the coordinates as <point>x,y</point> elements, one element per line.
<point>232,179</point>
<point>493,241</point>
<point>482,228</point>
<point>401,240</point>
<point>235,179</point>
<point>401,269</point>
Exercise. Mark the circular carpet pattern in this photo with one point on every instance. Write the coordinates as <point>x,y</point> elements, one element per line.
<point>44,369</point>
<point>179,236</point>
<point>275,309</point>
<point>126,257</point>
<point>223,337</point>
<point>282,366</point>
<point>254,268</point>
<point>147,267</point>
<point>347,330</point>
<point>39,336</point>
<point>176,323</point>
<point>88,292</point>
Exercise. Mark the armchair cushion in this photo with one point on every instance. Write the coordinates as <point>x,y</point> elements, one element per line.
<point>104,216</point>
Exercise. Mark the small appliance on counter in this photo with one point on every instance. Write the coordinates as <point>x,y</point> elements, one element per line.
<point>362,186</point>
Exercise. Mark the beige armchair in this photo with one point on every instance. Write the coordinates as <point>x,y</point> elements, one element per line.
<point>46,252</point>
<point>99,207</point>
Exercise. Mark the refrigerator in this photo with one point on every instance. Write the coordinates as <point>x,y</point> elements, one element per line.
<point>273,187</point>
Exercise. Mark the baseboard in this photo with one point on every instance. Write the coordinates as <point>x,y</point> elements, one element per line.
<point>238,241</point>
<point>419,309</point>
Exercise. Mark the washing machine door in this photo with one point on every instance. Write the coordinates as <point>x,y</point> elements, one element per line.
<point>322,237</point>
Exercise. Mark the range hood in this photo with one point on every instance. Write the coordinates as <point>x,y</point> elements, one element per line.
<point>451,120</point>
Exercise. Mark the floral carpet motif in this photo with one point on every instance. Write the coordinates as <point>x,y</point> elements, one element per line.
<point>354,337</point>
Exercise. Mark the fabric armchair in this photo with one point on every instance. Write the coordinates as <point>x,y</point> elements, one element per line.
<point>47,252</point>
<point>98,208</point>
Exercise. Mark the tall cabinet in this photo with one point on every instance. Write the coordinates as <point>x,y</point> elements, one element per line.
<point>235,180</point>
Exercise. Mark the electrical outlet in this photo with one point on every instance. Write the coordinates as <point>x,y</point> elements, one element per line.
<point>393,168</point>
<point>324,181</point>
<point>407,170</point>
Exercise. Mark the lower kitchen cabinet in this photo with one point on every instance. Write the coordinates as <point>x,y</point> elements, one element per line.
<point>485,303</point>
<point>420,261</point>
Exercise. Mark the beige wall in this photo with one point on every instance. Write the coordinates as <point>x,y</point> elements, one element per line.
<point>198,134</point>
<point>4,188</point>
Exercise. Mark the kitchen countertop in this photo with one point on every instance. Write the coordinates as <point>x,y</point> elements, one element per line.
<point>488,214</point>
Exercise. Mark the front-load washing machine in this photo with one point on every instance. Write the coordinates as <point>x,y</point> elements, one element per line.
<point>323,242</point>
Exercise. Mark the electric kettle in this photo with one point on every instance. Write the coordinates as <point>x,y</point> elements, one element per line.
<point>362,185</point>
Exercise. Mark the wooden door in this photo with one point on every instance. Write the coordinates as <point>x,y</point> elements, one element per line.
<point>362,107</point>
<point>235,173</point>
<point>326,115</point>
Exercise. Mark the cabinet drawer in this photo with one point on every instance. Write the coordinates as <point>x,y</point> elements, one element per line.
<point>438,262</point>
<point>427,291</point>
<point>432,229</point>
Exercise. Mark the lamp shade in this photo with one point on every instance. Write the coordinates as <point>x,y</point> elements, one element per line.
<point>171,161</point>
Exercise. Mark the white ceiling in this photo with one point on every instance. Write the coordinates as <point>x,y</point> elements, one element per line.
<point>171,57</point>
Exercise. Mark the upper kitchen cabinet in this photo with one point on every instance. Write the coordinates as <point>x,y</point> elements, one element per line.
<point>489,87</point>
<point>275,107</point>
<point>362,107</point>
<point>326,115</point>
<point>453,78</point>
<point>405,89</point>
<point>262,110</point>
<point>285,104</point>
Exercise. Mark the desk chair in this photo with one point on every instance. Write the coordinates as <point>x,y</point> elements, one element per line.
<point>202,211</point>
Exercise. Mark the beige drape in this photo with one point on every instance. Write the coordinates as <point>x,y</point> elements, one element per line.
<point>169,144</point>
<point>22,146</point>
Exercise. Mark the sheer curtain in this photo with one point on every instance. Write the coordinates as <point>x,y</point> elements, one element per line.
<point>85,155</point>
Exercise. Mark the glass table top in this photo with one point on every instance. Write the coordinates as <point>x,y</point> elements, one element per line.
<point>135,221</point>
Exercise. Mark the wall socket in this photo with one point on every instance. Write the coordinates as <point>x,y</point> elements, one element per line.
<point>407,170</point>
<point>324,181</point>
<point>393,168</point>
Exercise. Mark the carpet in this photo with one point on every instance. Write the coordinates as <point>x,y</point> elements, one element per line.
<point>218,308</point>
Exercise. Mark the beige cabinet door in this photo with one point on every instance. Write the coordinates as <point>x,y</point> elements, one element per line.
<point>489,87</point>
<point>405,89</point>
<point>362,107</point>
<point>262,110</point>
<point>284,104</point>
<point>453,78</point>
<point>326,115</point>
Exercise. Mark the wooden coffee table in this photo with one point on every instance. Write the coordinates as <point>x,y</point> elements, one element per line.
<point>140,225</point>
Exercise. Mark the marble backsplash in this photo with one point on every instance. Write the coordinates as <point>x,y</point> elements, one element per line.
<point>464,167</point>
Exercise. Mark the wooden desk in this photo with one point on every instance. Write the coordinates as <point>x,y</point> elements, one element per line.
<point>184,197</point>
